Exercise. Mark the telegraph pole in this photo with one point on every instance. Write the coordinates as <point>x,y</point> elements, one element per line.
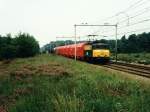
<point>116,45</point>
<point>75,33</point>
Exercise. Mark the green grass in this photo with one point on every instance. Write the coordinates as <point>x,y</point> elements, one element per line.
<point>141,58</point>
<point>56,84</point>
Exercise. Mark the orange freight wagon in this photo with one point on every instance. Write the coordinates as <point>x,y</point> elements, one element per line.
<point>69,50</point>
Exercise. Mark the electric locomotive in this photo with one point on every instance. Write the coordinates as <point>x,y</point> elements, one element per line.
<point>95,51</point>
<point>89,51</point>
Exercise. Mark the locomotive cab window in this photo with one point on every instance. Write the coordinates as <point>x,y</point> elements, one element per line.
<point>87,47</point>
<point>100,46</point>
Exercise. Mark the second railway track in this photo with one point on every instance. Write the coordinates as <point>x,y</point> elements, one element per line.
<point>130,68</point>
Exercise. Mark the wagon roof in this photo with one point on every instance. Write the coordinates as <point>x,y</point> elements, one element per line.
<point>72,45</point>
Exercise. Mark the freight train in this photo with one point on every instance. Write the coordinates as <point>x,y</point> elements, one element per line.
<point>88,51</point>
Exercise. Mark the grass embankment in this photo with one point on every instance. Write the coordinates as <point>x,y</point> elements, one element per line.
<point>56,84</point>
<point>141,58</point>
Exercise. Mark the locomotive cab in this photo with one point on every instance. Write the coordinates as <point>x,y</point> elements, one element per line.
<point>88,51</point>
<point>100,51</point>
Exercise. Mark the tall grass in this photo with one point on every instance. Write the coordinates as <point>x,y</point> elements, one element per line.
<point>141,58</point>
<point>86,88</point>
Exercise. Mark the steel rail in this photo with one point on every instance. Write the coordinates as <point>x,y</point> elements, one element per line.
<point>130,68</point>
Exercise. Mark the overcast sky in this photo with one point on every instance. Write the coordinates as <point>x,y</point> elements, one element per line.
<point>46,19</point>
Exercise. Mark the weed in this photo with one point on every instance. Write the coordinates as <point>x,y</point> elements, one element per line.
<point>56,84</point>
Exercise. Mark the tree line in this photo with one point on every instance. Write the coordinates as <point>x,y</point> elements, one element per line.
<point>131,44</point>
<point>50,46</point>
<point>22,45</point>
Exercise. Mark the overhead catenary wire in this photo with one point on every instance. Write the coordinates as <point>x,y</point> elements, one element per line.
<point>146,10</point>
<point>126,10</point>
<point>139,22</point>
<point>139,14</point>
<point>135,5</point>
<point>134,31</point>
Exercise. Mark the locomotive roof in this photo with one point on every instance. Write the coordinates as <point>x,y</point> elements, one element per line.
<point>84,43</point>
<point>99,44</point>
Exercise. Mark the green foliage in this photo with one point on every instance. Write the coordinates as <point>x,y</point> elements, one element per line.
<point>50,47</point>
<point>26,45</point>
<point>134,43</point>
<point>141,58</point>
<point>22,45</point>
<point>8,52</point>
<point>87,88</point>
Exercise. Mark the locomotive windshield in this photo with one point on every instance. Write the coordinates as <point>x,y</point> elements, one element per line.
<point>100,46</point>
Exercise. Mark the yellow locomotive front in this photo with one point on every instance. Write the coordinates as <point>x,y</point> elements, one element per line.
<point>100,51</point>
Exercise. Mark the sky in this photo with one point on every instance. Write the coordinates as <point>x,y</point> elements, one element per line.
<point>48,19</point>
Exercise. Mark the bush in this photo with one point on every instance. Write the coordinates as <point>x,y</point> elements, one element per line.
<point>141,58</point>
<point>8,52</point>
<point>26,45</point>
<point>23,45</point>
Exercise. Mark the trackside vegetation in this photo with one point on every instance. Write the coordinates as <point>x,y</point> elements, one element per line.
<point>49,83</point>
<point>22,45</point>
<point>141,58</point>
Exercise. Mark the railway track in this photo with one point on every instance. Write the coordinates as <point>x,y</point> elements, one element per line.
<point>130,68</point>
